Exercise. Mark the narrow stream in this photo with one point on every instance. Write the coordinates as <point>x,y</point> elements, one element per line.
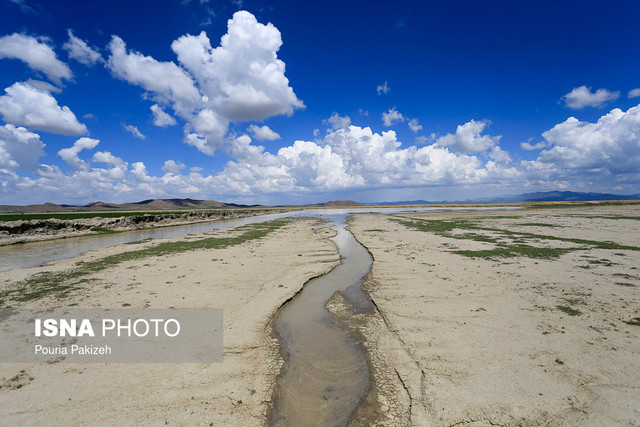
<point>326,376</point>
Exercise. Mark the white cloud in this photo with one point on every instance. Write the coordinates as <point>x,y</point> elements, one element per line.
<point>611,146</point>
<point>19,148</point>
<point>160,118</point>
<point>356,158</point>
<point>634,93</point>
<point>383,88</point>
<point>210,129</point>
<point>37,109</point>
<point>43,86</point>
<point>528,146</point>
<point>415,126</point>
<point>24,7</point>
<point>337,121</point>
<point>133,130</point>
<point>263,133</point>
<point>166,80</point>
<point>196,169</point>
<point>392,116</point>
<point>242,78</point>
<point>79,50</point>
<point>171,166</point>
<point>37,54</point>
<point>199,142</point>
<point>582,96</point>
<point>499,155</point>
<point>589,156</point>
<point>468,138</point>
<point>108,158</point>
<point>70,155</point>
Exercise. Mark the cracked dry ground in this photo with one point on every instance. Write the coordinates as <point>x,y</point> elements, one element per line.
<point>529,338</point>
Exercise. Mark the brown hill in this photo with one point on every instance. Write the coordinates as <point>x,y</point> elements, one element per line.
<point>145,205</point>
<point>162,204</point>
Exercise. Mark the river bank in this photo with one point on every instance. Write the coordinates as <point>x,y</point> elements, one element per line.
<point>37,230</point>
<point>249,281</point>
<point>509,318</point>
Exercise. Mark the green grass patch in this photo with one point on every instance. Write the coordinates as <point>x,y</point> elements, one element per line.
<point>60,283</point>
<point>569,310</point>
<point>139,241</point>
<point>633,218</point>
<point>518,245</point>
<point>574,301</point>
<point>508,251</point>
<point>635,321</point>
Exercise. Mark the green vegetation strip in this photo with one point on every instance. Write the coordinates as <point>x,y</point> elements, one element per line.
<point>517,247</point>
<point>61,283</point>
<point>569,310</point>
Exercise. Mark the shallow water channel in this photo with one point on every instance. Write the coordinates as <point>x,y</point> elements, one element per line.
<point>326,375</point>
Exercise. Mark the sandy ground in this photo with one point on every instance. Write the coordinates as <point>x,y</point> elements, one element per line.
<point>249,282</point>
<point>459,340</point>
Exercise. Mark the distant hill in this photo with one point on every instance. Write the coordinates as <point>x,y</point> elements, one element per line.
<point>144,205</point>
<point>548,196</point>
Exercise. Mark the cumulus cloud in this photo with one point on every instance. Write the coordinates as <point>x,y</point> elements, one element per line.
<point>37,54</point>
<point>499,155</point>
<point>70,155</point>
<point>582,96</point>
<point>392,116</point>
<point>167,81</point>
<point>19,148</point>
<point>26,105</point>
<point>528,146</point>
<point>171,166</point>
<point>79,50</point>
<point>355,158</point>
<point>109,159</point>
<point>468,138</point>
<point>610,146</point>
<point>240,80</point>
<point>263,133</point>
<point>337,121</point>
<point>133,130</point>
<point>160,118</point>
<point>415,126</point>
<point>634,93</point>
<point>383,88</point>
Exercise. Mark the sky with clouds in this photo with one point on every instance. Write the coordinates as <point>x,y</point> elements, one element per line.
<point>295,102</point>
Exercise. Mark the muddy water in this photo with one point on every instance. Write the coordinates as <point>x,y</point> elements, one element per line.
<point>326,376</point>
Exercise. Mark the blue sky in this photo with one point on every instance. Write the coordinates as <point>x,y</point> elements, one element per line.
<point>291,102</point>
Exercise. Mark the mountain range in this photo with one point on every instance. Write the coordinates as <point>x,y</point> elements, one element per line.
<point>180,204</point>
